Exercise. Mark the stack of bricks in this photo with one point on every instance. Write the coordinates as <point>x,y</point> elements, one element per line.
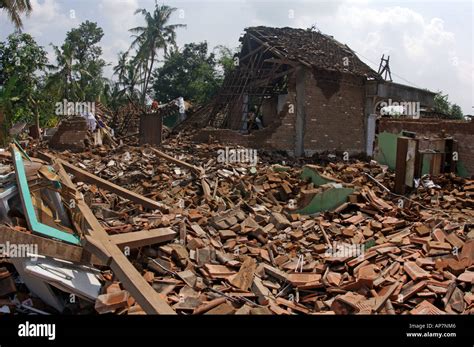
<point>71,135</point>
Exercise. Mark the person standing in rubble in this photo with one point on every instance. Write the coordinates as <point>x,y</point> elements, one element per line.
<point>254,121</point>
<point>155,105</point>
<point>91,121</point>
<point>182,109</point>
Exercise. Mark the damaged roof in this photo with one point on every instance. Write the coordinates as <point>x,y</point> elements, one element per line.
<point>311,48</point>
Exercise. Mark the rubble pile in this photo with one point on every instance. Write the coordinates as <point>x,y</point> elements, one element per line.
<point>232,237</point>
<point>71,134</point>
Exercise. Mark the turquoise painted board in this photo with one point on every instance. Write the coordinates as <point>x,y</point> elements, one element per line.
<point>21,149</point>
<point>280,168</point>
<point>327,200</point>
<point>30,212</point>
<point>313,176</point>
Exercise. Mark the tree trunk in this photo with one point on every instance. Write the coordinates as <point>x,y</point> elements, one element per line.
<point>147,75</point>
<point>150,71</point>
<point>35,131</point>
<point>2,129</point>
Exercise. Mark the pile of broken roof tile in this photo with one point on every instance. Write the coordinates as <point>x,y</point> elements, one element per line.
<point>244,247</point>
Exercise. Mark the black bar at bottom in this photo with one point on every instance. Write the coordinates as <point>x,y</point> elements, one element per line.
<point>361,330</point>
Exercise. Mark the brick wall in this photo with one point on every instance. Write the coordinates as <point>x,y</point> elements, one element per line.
<point>461,131</point>
<point>279,135</point>
<point>334,106</point>
<point>334,113</point>
<point>71,135</point>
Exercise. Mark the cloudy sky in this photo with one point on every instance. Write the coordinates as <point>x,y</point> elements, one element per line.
<point>430,43</point>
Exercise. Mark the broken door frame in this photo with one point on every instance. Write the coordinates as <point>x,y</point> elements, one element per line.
<point>97,241</point>
<point>28,207</point>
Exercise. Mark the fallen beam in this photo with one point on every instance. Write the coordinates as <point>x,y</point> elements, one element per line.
<point>131,279</point>
<point>149,300</point>
<point>195,169</point>
<point>45,246</point>
<point>136,239</point>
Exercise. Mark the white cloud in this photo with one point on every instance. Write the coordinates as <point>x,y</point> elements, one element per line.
<point>429,48</point>
<point>422,50</point>
<point>119,14</point>
<point>46,16</point>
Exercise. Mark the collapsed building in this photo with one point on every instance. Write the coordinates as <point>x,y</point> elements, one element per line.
<point>311,93</point>
<point>203,229</point>
<point>135,230</point>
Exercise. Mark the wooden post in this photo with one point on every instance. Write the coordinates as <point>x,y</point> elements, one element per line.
<point>151,126</point>
<point>406,163</point>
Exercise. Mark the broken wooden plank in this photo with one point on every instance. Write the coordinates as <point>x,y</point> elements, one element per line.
<point>197,170</point>
<point>131,279</point>
<point>45,246</point>
<point>136,239</point>
<point>243,279</point>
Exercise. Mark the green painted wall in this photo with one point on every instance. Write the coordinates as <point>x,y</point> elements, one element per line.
<point>324,201</point>
<point>327,200</point>
<point>387,149</point>
<point>387,154</point>
<point>313,176</point>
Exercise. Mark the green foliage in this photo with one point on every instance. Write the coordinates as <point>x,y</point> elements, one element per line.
<point>77,75</point>
<point>226,59</point>
<point>442,105</point>
<point>114,97</point>
<point>22,62</point>
<point>155,35</point>
<point>14,9</point>
<point>128,78</point>
<point>456,112</point>
<point>192,73</point>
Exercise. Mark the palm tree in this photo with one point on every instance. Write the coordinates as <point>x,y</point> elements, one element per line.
<point>14,9</point>
<point>62,77</point>
<point>128,75</point>
<point>121,66</point>
<point>156,34</point>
